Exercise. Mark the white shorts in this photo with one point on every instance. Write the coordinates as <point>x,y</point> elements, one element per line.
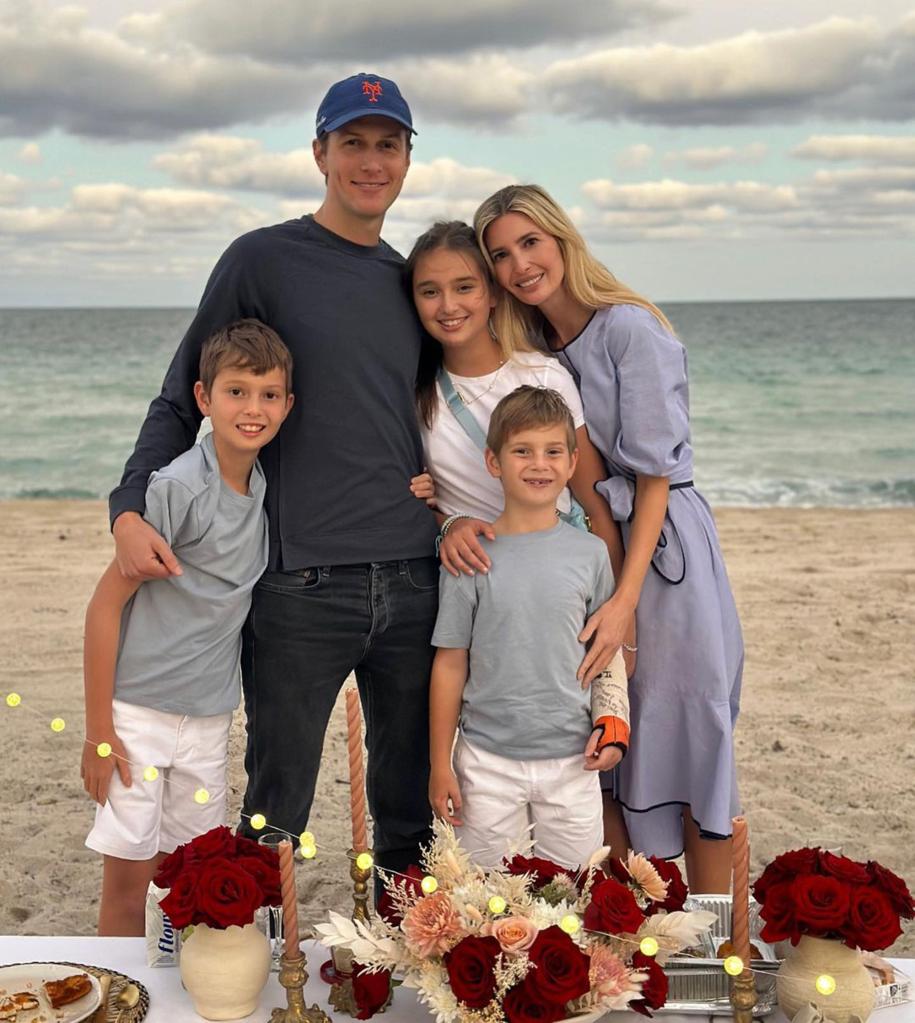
<point>501,798</point>
<point>157,816</point>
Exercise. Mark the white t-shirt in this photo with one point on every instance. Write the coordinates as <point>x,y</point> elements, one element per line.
<point>462,483</point>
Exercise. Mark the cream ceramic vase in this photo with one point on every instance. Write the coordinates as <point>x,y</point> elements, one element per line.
<point>816,957</point>
<point>225,971</point>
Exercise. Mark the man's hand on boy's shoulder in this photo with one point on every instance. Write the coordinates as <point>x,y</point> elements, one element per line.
<point>140,551</point>
<point>96,770</point>
<point>461,551</point>
<point>445,796</point>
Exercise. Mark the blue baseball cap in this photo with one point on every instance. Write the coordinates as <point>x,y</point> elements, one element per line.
<point>362,95</point>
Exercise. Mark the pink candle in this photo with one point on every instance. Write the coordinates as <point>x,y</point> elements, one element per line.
<point>740,906</point>
<point>290,909</point>
<point>356,774</point>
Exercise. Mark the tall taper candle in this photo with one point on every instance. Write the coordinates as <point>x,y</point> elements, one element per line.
<point>290,909</point>
<point>356,774</point>
<point>740,905</point>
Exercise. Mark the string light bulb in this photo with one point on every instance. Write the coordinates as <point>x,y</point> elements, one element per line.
<point>570,924</point>
<point>429,884</point>
<point>649,946</point>
<point>308,851</point>
<point>306,838</point>
<point>733,966</point>
<point>825,984</point>
<point>364,861</point>
<point>201,796</point>
<point>13,699</point>
<point>497,905</point>
<point>258,821</point>
<point>58,724</point>
<point>103,749</point>
<point>150,773</point>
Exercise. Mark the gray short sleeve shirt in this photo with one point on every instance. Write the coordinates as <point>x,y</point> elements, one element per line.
<point>181,637</point>
<point>520,622</point>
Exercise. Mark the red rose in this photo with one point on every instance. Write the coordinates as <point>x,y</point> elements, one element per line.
<point>471,970</point>
<point>843,868</point>
<point>676,888</point>
<point>267,877</point>
<point>371,991</point>
<point>786,867</point>
<point>893,887</point>
<point>170,868</point>
<point>524,1005</point>
<point>562,967</point>
<point>654,990</point>
<point>613,909</point>
<point>873,923</point>
<point>227,894</point>
<point>411,883</point>
<point>542,871</point>
<point>820,903</point>
<point>216,842</point>
<point>778,913</point>
<point>181,900</point>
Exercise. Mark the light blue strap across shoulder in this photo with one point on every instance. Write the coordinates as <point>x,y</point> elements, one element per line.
<point>461,413</point>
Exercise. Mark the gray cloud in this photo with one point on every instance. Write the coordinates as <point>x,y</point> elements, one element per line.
<point>840,67</point>
<point>55,72</point>
<point>321,30</point>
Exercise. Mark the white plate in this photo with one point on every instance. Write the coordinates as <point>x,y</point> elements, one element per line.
<point>30,977</point>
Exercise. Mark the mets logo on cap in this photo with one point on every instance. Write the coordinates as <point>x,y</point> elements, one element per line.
<point>362,95</point>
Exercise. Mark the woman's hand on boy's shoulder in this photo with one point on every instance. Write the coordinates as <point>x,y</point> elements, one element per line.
<point>461,551</point>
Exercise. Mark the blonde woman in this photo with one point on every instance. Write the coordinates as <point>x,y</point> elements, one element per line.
<point>676,786</point>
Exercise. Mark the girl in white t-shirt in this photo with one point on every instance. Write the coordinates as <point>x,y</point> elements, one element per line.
<point>454,297</point>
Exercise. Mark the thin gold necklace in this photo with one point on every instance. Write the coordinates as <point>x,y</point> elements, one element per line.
<point>476,397</point>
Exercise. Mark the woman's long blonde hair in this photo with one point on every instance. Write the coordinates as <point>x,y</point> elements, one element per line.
<point>587,280</point>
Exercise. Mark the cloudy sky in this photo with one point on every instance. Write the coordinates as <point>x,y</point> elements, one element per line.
<point>709,149</point>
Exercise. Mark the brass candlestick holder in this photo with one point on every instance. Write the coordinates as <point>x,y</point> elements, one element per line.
<point>361,874</point>
<point>743,996</point>
<point>293,976</point>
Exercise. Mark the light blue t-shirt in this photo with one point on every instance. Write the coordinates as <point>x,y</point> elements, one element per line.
<point>181,636</point>
<point>520,622</point>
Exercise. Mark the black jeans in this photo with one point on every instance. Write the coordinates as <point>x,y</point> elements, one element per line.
<point>305,633</point>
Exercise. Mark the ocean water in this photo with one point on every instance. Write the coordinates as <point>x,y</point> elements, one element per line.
<point>793,403</point>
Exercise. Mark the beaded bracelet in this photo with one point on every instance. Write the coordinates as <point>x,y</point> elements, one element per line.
<point>446,525</point>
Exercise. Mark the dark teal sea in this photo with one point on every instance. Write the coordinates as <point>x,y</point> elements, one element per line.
<point>793,403</point>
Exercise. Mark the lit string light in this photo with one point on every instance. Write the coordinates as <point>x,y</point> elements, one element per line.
<point>308,847</point>
<point>429,884</point>
<point>648,946</point>
<point>365,861</point>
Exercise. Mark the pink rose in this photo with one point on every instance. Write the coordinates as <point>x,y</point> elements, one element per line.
<point>514,933</point>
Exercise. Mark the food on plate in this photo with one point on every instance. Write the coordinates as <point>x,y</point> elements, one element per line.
<point>67,989</point>
<point>726,949</point>
<point>8,1010</point>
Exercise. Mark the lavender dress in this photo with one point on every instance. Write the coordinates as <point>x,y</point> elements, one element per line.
<point>686,688</point>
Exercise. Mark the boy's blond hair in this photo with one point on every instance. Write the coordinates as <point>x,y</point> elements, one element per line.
<point>525,408</point>
<point>245,344</point>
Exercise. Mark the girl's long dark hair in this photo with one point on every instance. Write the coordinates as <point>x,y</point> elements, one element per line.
<point>455,236</point>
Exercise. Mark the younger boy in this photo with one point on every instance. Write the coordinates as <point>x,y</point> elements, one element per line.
<point>161,658</point>
<point>508,653</point>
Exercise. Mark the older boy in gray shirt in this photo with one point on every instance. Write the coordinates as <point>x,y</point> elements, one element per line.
<point>507,657</point>
<point>162,657</point>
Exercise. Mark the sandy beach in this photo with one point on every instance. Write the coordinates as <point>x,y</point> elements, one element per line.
<point>825,741</point>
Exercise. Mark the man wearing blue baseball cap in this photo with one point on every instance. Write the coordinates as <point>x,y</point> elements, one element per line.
<point>351,583</point>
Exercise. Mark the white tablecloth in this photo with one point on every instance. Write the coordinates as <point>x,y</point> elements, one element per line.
<point>169,1003</point>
